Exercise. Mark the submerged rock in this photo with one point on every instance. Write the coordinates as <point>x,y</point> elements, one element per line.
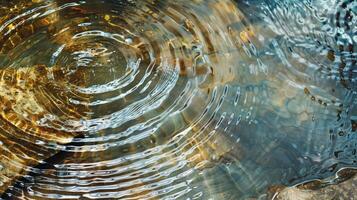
<point>317,190</point>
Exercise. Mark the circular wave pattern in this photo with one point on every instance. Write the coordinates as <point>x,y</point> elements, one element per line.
<point>173,100</point>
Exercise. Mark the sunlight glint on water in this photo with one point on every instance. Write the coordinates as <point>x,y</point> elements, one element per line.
<point>204,99</point>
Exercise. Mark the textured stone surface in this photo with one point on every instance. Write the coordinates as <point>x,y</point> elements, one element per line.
<point>311,191</point>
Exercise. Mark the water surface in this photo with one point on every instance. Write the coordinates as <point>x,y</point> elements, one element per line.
<point>182,99</point>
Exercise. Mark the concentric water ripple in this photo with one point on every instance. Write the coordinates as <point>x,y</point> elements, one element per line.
<point>155,99</point>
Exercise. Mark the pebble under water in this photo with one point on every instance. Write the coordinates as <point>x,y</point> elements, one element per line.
<point>184,99</point>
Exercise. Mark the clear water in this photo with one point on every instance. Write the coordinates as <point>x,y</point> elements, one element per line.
<point>185,99</point>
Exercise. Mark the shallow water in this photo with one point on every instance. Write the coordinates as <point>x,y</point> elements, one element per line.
<point>183,99</point>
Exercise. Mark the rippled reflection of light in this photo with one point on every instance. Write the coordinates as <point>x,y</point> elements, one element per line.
<point>174,99</point>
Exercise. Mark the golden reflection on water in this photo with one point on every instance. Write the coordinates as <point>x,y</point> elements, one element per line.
<point>29,97</point>
<point>173,100</point>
